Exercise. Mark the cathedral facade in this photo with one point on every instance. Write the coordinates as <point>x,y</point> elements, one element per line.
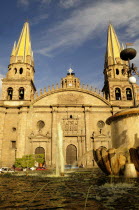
<point>29,120</point>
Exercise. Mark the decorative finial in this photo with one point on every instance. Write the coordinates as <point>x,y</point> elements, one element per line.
<point>129,44</point>
<point>27,20</point>
<point>110,23</point>
<point>70,71</point>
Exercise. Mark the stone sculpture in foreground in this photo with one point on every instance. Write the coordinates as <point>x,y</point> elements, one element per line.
<point>116,162</point>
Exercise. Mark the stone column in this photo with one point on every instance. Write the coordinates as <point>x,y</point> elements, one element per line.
<point>87,128</point>
<point>21,139</point>
<point>30,128</point>
<point>87,133</point>
<point>54,135</point>
<point>48,146</point>
<point>79,147</point>
<point>2,119</point>
<point>83,143</point>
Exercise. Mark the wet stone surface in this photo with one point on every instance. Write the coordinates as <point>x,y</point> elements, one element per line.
<point>80,189</point>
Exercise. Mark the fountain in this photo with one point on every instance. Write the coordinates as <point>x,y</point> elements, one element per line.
<point>117,162</point>
<point>59,152</point>
<point>123,158</point>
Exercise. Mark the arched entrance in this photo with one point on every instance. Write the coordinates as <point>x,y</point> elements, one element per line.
<point>40,156</point>
<point>71,154</point>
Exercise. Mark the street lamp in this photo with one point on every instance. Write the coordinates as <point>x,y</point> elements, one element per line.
<point>127,55</point>
<point>132,81</point>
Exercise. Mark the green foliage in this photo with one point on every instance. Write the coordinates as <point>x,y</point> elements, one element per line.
<point>39,158</point>
<point>28,161</point>
<point>7,174</point>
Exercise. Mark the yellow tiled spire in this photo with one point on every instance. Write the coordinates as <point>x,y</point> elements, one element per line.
<point>13,50</point>
<point>22,51</point>
<point>113,48</point>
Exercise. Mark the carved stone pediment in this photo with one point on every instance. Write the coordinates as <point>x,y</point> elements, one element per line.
<point>39,135</point>
<point>70,98</point>
<point>102,137</point>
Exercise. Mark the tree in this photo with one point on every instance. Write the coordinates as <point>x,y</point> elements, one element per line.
<point>39,158</point>
<point>28,161</point>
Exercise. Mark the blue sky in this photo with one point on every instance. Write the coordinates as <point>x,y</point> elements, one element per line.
<point>67,33</point>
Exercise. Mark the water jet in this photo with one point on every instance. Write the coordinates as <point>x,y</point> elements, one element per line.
<point>59,152</point>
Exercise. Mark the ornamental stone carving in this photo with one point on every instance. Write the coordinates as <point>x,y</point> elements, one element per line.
<point>70,98</point>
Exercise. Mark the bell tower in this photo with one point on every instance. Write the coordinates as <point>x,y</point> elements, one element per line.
<point>117,88</point>
<point>19,81</point>
<point>70,81</point>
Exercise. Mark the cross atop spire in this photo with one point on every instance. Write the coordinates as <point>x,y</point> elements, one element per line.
<point>70,71</point>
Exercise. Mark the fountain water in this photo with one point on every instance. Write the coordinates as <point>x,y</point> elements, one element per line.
<point>59,152</point>
<point>130,171</point>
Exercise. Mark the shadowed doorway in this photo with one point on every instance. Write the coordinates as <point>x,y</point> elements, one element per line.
<point>71,154</point>
<point>40,153</point>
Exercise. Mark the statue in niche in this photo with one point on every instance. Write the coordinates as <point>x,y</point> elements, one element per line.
<point>40,125</point>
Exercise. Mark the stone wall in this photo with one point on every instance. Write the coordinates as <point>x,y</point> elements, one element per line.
<point>79,116</point>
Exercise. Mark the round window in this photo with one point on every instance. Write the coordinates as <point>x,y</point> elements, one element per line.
<point>13,129</point>
<point>40,124</point>
<point>100,124</point>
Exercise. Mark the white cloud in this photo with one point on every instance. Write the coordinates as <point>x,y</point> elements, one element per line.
<point>132,29</point>
<point>69,3</point>
<point>45,1</point>
<point>89,22</point>
<point>136,47</point>
<point>1,77</point>
<point>26,3</point>
<point>39,18</point>
<point>23,3</point>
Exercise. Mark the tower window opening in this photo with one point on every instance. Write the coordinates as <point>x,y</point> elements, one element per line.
<point>21,71</point>
<point>128,94</point>
<point>107,95</point>
<point>21,93</point>
<point>123,71</point>
<point>15,70</point>
<point>117,71</point>
<point>10,93</point>
<point>70,116</point>
<point>13,144</point>
<point>117,94</point>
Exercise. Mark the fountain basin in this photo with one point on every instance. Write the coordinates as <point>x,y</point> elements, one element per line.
<point>130,171</point>
<point>125,128</point>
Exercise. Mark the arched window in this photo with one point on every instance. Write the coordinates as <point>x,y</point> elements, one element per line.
<point>123,71</point>
<point>66,82</point>
<point>20,70</point>
<point>39,150</point>
<point>9,93</point>
<point>15,70</point>
<point>117,94</point>
<point>117,71</point>
<point>40,156</point>
<point>71,154</point>
<point>21,93</point>
<point>128,94</point>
